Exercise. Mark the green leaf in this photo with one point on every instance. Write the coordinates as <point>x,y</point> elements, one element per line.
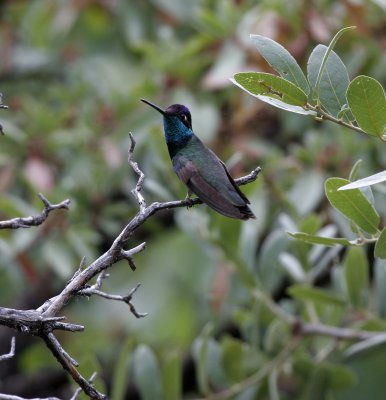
<point>281,61</point>
<point>292,266</point>
<point>311,223</point>
<point>121,370</point>
<point>146,370</point>
<point>379,280</point>
<point>269,273</point>
<point>58,255</point>
<point>367,101</point>
<point>232,358</point>
<point>308,293</point>
<point>200,354</point>
<point>325,241</point>
<point>353,205</point>
<point>340,376</point>
<point>380,246</point>
<point>272,86</point>
<point>307,192</point>
<point>327,55</point>
<point>333,83</point>
<point>316,384</point>
<point>368,181</point>
<point>171,373</point>
<point>354,171</point>
<point>274,90</point>
<point>276,336</point>
<point>356,272</point>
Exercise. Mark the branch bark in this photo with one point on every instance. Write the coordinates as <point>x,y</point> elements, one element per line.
<point>11,397</point>
<point>11,352</point>
<point>44,320</point>
<point>27,222</point>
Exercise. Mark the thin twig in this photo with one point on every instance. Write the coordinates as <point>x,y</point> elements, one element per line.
<point>11,352</point>
<point>93,291</point>
<point>346,334</point>
<point>63,352</point>
<point>4,107</point>
<point>43,321</point>
<point>80,281</point>
<point>4,396</point>
<point>331,118</point>
<point>35,220</point>
<point>138,187</point>
<point>302,328</point>
<point>79,390</point>
<point>67,363</point>
<point>262,373</point>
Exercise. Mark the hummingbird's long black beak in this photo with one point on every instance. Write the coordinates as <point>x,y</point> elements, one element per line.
<point>159,109</point>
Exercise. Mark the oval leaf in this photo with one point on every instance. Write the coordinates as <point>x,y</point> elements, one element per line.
<point>325,241</point>
<point>307,293</point>
<point>353,205</point>
<point>146,369</point>
<point>366,345</point>
<point>261,83</point>
<point>368,181</point>
<point>333,82</point>
<point>356,275</point>
<point>232,358</point>
<point>171,372</point>
<point>292,266</point>
<point>380,246</point>
<point>281,61</point>
<point>379,280</point>
<point>367,101</point>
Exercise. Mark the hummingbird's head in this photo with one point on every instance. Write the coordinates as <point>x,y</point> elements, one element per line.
<point>177,121</point>
<point>180,112</point>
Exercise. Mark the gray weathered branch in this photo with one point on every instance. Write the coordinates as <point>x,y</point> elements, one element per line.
<point>44,321</point>
<point>35,220</point>
<point>11,352</point>
<point>33,322</point>
<point>5,107</point>
<point>11,397</point>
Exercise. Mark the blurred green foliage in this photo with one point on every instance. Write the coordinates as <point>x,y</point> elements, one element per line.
<point>72,74</point>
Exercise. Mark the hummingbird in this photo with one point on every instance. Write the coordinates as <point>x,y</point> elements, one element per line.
<point>198,167</point>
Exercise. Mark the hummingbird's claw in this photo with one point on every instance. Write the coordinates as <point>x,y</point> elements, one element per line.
<point>189,199</point>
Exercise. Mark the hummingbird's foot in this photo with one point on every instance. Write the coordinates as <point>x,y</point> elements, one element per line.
<point>189,199</point>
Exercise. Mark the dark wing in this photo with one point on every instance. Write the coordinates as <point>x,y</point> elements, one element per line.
<point>230,204</point>
<point>235,186</point>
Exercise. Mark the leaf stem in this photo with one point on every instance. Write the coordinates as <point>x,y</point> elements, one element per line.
<point>323,115</point>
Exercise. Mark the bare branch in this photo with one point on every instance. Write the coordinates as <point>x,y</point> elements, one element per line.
<point>302,328</point>
<point>27,222</point>
<point>257,377</point>
<point>69,364</point>
<point>126,299</point>
<point>33,322</point>
<point>138,187</point>
<point>11,397</point>
<point>63,352</point>
<point>4,107</point>
<point>1,102</point>
<point>79,390</point>
<point>43,320</point>
<point>116,252</point>
<point>11,352</point>
<point>80,280</point>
